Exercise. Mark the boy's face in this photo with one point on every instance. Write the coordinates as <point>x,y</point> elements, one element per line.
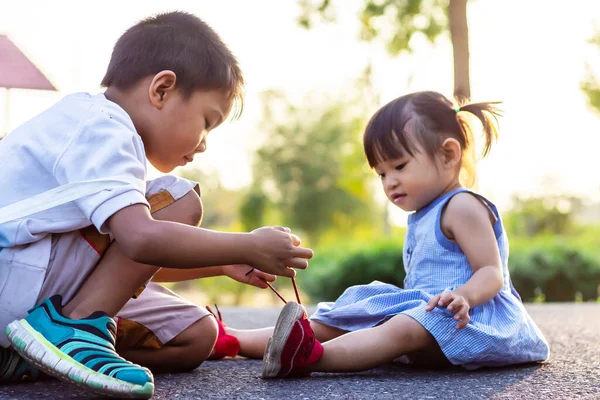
<point>179,127</point>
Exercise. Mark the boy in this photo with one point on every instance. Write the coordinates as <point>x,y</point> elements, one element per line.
<point>98,232</point>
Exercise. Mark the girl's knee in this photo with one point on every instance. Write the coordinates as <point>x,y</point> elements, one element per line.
<point>324,333</point>
<point>406,329</point>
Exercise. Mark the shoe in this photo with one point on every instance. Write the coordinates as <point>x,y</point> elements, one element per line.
<point>293,346</point>
<point>78,351</point>
<point>14,368</point>
<point>226,345</point>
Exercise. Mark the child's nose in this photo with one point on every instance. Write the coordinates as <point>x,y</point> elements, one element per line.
<point>201,147</point>
<point>390,182</point>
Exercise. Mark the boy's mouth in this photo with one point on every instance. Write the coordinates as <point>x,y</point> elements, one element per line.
<point>396,197</point>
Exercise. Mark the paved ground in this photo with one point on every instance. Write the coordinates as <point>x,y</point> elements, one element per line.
<point>573,372</point>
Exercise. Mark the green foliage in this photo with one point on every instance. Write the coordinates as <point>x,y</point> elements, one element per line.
<point>556,267</point>
<point>590,85</point>
<point>311,167</point>
<point>219,204</point>
<point>534,216</point>
<point>334,270</point>
<point>407,17</point>
<point>308,8</point>
<point>252,210</point>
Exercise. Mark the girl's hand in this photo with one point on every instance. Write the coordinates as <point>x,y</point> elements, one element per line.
<point>239,272</point>
<point>453,302</point>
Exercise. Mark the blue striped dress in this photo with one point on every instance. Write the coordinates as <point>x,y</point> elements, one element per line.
<point>500,332</point>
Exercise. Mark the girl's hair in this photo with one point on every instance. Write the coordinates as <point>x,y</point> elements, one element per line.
<point>428,118</point>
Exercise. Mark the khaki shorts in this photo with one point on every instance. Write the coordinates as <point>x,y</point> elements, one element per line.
<point>156,315</point>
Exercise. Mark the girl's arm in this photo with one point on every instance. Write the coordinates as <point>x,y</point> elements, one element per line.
<point>469,223</point>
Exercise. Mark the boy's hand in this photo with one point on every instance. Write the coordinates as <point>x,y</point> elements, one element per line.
<point>276,250</point>
<point>239,272</point>
<point>453,302</point>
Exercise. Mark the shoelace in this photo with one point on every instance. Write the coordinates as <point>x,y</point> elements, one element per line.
<point>218,314</point>
<point>275,290</point>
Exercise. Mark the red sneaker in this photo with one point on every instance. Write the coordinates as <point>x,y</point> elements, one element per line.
<point>292,347</point>
<point>226,345</point>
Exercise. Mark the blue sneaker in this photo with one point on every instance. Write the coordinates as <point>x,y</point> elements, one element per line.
<point>79,351</point>
<point>14,368</point>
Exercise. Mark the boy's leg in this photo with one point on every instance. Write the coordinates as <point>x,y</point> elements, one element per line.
<point>293,351</point>
<point>107,288</point>
<point>182,337</point>
<point>14,369</point>
<point>101,291</point>
<point>164,332</point>
<point>254,341</point>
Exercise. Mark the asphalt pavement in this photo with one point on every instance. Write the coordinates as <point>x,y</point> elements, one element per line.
<point>573,371</point>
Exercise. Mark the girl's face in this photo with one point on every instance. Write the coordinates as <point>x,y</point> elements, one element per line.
<point>412,182</point>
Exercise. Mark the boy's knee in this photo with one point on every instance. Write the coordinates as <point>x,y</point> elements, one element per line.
<point>176,199</point>
<point>196,342</point>
<point>186,210</point>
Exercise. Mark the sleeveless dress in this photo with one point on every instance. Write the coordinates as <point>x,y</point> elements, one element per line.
<point>500,332</point>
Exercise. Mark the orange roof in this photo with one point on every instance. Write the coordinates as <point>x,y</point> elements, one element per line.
<point>16,71</point>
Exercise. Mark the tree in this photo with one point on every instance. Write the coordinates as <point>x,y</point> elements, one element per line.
<point>219,204</point>
<point>408,17</point>
<point>252,210</point>
<point>548,214</point>
<point>591,85</point>
<point>311,166</point>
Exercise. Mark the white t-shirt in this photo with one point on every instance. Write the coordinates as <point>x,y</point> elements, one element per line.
<point>82,137</point>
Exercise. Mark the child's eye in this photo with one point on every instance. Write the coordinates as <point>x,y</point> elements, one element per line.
<point>400,167</point>
<point>381,176</point>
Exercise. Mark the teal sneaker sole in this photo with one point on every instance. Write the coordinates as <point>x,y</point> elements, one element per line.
<point>32,346</point>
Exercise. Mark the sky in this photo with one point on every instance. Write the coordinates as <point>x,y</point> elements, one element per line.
<point>531,55</point>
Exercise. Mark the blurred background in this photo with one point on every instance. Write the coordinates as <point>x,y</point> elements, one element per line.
<point>316,70</point>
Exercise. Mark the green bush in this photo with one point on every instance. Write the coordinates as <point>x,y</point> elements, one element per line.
<point>561,270</point>
<point>332,271</point>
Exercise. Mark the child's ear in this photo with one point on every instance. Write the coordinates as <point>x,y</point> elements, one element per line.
<point>161,87</point>
<point>451,153</point>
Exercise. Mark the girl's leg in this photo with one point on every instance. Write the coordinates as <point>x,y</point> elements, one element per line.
<point>370,348</point>
<point>254,341</point>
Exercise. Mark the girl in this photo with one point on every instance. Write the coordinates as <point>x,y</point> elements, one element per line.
<point>458,304</point>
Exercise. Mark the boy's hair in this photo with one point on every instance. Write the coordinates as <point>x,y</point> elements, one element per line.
<point>179,42</point>
<point>428,118</point>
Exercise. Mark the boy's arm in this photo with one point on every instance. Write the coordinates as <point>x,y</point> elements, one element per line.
<point>188,274</point>
<point>174,245</point>
<point>242,273</point>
